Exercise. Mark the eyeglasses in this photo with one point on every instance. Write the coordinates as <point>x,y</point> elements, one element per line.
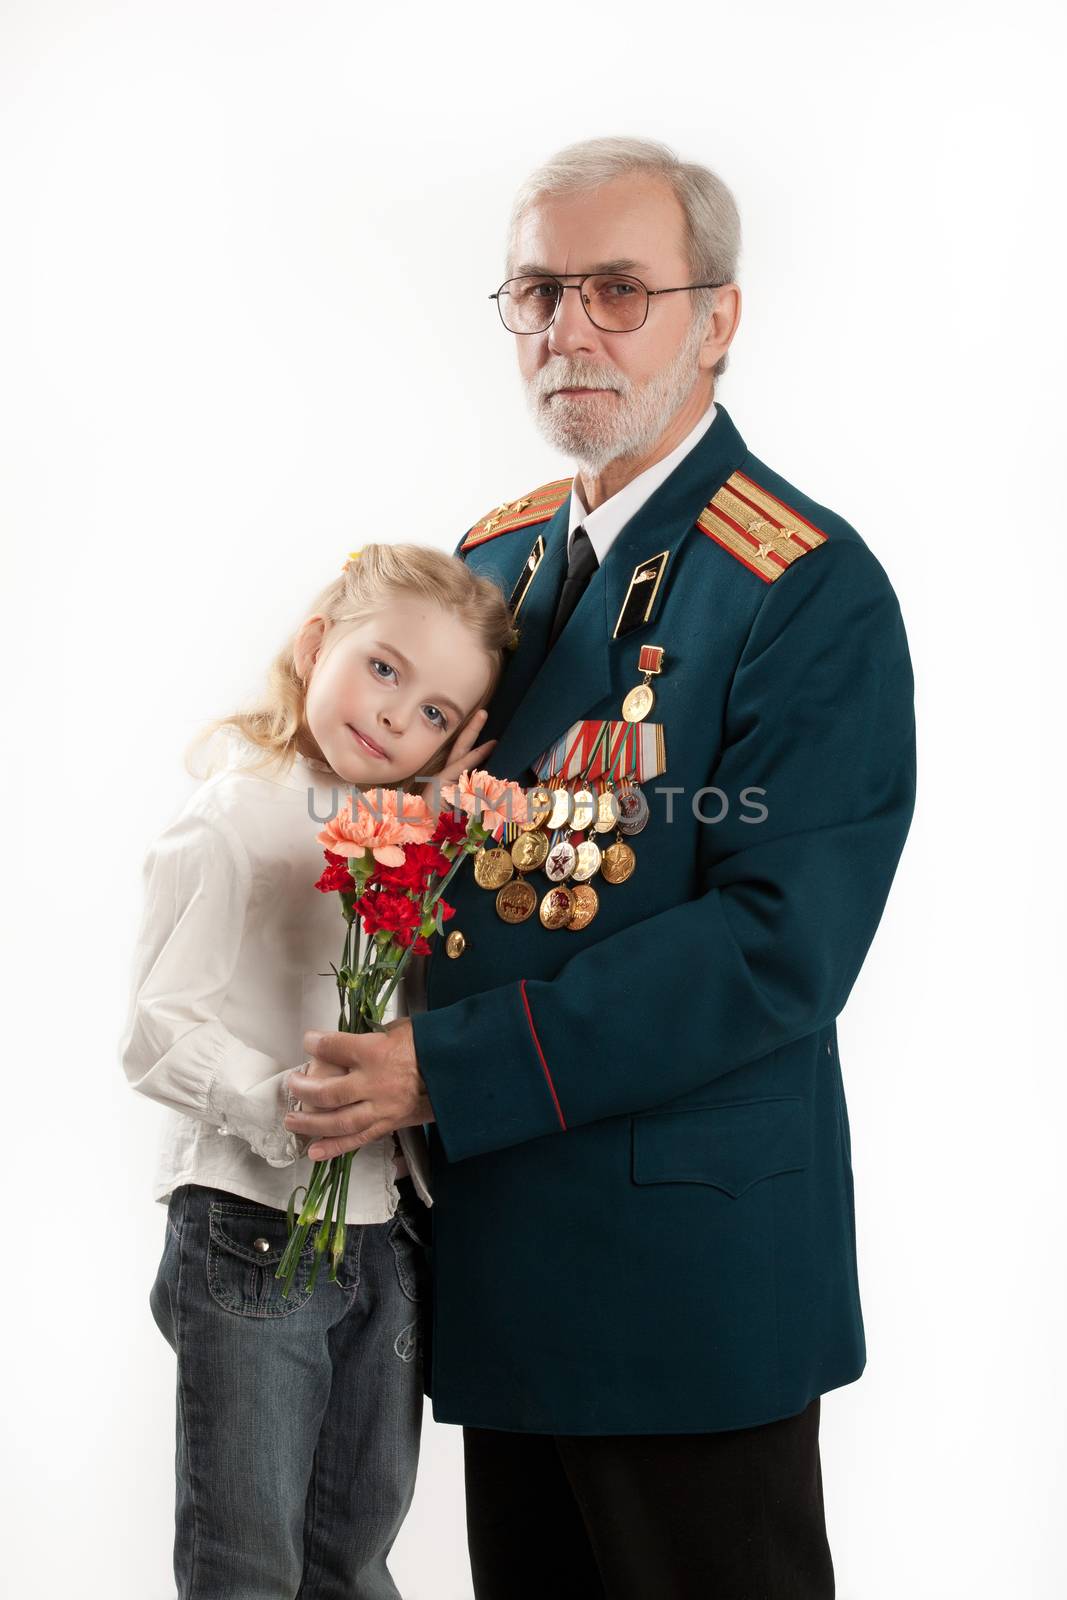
<point>613,302</point>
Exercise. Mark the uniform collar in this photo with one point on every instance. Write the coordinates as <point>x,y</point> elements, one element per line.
<point>543,691</point>
<point>608,520</point>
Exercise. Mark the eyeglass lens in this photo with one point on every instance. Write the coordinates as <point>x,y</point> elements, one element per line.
<point>614,303</point>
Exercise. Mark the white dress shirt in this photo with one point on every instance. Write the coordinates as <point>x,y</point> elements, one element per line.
<point>608,520</point>
<point>231,965</point>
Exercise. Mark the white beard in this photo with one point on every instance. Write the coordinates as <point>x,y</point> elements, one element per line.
<point>594,432</point>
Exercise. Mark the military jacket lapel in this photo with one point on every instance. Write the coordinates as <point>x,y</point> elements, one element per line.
<point>542,695</point>
<point>534,617</point>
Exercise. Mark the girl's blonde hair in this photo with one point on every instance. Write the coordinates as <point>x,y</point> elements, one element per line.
<point>369,579</point>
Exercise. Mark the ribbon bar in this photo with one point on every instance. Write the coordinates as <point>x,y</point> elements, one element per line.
<point>635,750</point>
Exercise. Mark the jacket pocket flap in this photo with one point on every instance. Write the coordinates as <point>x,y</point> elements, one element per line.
<point>729,1146</point>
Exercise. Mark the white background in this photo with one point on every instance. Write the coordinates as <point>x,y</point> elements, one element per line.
<point>248,248</point>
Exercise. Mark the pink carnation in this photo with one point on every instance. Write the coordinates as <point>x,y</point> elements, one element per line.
<point>492,801</point>
<point>382,821</point>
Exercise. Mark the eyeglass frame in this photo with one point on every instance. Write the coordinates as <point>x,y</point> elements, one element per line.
<point>628,277</point>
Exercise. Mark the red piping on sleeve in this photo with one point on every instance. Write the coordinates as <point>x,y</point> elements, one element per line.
<point>541,1056</point>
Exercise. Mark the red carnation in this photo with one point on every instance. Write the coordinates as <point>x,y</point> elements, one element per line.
<point>451,829</point>
<point>336,875</point>
<point>421,863</point>
<point>383,912</point>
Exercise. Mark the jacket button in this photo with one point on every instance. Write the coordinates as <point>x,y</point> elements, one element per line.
<point>262,1245</point>
<point>455,944</point>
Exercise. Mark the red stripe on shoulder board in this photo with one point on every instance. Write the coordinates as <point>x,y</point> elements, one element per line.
<point>541,1056</point>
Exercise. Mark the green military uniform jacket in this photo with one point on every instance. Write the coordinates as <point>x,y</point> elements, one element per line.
<point>644,1217</point>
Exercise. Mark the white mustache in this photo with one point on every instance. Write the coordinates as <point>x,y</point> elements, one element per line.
<point>556,375</point>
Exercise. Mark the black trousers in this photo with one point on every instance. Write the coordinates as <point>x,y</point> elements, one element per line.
<point>736,1515</point>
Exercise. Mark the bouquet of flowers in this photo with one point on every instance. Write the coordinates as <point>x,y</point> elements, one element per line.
<point>389,860</point>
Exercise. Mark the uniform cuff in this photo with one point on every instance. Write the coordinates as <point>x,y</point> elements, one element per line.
<point>486,1076</point>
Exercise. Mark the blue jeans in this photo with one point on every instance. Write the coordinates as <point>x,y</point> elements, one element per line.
<point>298,1419</point>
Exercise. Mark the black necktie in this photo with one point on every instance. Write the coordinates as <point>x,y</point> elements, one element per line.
<point>580,568</point>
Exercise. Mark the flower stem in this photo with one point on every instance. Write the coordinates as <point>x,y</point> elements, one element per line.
<point>438,890</point>
<point>337,1247</point>
<point>308,1213</point>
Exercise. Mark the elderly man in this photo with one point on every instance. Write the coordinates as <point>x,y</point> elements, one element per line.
<point>644,1247</point>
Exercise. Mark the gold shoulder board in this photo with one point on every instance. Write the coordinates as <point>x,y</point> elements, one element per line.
<point>758,528</point>
<point>538,506</point>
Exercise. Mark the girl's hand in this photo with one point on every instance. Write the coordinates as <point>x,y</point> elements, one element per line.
<point>465,753</point>
<point>319,1069</point>
<point>310,1069</point>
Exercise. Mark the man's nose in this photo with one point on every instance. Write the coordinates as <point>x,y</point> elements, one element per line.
<point>571,329</point>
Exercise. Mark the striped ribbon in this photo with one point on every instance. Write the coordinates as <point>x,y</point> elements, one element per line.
<point>591,750</point>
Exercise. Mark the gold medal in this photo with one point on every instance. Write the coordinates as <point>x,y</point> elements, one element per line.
<point>538,806</point>
<point>556,907</point>
<point>638,703</point>
<point>493,868</point>
<point>586,906</point>
<point>516,900</point>
<point>529,850</point>
<point>560,861</point>
<point>617,862</point>
<point>588,863</point>
<point>641,698</point>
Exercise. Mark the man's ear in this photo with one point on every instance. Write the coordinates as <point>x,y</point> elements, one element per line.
<point>308,643</point>
<point>721,325</point>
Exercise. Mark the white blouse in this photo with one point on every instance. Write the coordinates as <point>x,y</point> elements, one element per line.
<point>231,966</point>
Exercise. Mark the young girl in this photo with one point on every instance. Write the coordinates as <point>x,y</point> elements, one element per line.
<point>297,1418</point>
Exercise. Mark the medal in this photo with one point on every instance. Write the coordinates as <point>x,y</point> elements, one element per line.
<point>561,809</point>
<point>617,862</point>
<point>588,862</point>
<point>560,861</point>
<point>588,787</point>
<point>516,900</point>
<point>583,809</point>
<point>556,907</point>
<point>607,811</point>
<point>538,805</point>
<point>586,906</point>
<point>641,698</point>
<point>493,868</point>
<point>633,810</point>
<point>529,850</point>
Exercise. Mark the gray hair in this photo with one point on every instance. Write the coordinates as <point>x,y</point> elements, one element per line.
<point>713,225</point>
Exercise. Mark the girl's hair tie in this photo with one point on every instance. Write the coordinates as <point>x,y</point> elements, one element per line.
<point>353,555</point>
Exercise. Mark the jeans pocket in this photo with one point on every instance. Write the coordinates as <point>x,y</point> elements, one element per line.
<point>410,1254</point>
<point>246,1243</point>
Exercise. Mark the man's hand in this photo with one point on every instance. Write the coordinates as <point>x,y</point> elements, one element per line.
<point>377,1087</point>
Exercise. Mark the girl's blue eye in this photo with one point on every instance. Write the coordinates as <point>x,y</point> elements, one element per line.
<point>442,723</point>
